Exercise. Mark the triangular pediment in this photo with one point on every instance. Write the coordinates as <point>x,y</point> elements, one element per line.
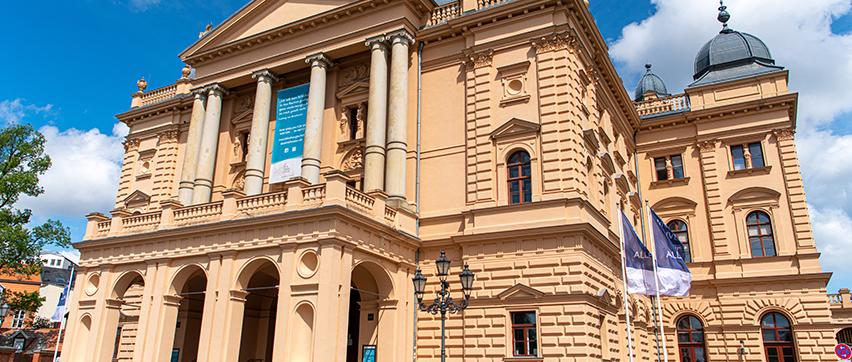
<point>514,127</point>
<point>260,16</point>
<point>520,291</point>
<point>136,199</point>
<point>357,88</point>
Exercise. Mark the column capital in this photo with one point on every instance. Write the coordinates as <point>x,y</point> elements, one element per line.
<point>377,42</point>
<point>319,60</point>
<point>400,36</point>
<point>264,75</point>
<point>216,90</point>
<point>199,93</point>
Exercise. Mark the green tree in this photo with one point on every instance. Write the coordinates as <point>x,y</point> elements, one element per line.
<point>22,161</point>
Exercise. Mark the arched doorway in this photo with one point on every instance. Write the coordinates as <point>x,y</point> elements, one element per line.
<point>845,336</point>
<point>371,313</point>
<point>123,320</point>
<point>189,284</point>
<point>260,281</point>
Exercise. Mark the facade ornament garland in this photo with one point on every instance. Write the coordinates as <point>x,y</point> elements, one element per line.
<point>707,145</point>
<point>554,42</point>
<point>784,134</point>
<point>131,144</point>
<point>474,59</point>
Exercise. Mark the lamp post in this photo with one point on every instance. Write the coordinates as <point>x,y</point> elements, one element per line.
<point>443,301</point>
<point>4,308</point>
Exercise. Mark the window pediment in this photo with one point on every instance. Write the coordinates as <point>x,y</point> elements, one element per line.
<point>137,199</point>
<point>515,127</point>
<point>520,291</point>
<point>675,205</point>
<point>754,196</point>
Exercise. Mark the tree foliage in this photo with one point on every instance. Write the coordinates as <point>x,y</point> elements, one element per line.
<point>22,161</point>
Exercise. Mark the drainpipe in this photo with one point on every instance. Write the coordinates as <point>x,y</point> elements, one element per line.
<point>417,185</point>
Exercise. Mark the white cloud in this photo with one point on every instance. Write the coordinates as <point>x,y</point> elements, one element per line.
<point>14,110</point>
<point>820,63</point>
<point>84,174</point>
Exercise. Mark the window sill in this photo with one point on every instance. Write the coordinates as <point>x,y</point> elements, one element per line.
<point>524,98</point>
<point>524,359</point>
<point>750,171</point>
<point>143,176</point>
<point>670,182</point>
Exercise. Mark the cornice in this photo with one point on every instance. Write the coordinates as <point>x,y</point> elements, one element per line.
<point>180,103</point>
<point>789,100</point>
<point>193,57</point>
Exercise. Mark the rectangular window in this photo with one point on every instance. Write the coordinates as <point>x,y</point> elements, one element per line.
<point>660,167</point>
<point>756,155</point>
<point>18,319</point>
<point>524,334</point>
<point>677,166</point>
<point>739,157</point>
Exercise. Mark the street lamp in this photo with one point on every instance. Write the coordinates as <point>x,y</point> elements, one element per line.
<point>443,301</point>
<point>4,308</point>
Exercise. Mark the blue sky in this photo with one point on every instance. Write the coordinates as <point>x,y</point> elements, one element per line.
<point>70,66</point>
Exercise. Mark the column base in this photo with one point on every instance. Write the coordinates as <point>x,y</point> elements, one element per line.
<point>398,202</point>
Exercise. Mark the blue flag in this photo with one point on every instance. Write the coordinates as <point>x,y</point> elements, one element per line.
<point>61,306</point>
<point>638,262</point>
<point>675,278</point>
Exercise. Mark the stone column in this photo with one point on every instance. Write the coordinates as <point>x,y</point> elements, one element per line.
<point>374,152</point>
<point>312,154</point>
<point>397,146</point>
<point>256,158</point>
<point>209,144</point>
<point>193,141</point>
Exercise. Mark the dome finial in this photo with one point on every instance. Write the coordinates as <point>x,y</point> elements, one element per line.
<point>724,16</point>
<point>648,67</point>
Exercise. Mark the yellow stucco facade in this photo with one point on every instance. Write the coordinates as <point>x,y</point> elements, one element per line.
<point>416,115</point>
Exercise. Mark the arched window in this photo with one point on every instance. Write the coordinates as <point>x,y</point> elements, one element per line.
<point>777,338</point>
<point>845,336</point>
<point>760,234</point>
<point>690,339</point>
<point>679,228</point>
<point>519,178</point>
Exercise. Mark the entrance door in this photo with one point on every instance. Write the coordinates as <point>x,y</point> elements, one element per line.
<point>353,336</point>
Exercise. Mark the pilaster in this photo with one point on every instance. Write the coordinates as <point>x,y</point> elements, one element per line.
<point>795,191</point>
<point>125,182</point>
<point>710,172</point>
<point>165,164</point>
<point>480,183</point>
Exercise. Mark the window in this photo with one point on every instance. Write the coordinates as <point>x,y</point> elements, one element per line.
<point>760,234</point>
<point>524,334</point>
<point>681,231</point>
<point>690,339</point>
<point>747,156</point>
<point>669,167</point>
<point>18,319</point>
<point>777,338</point>
<point>520,178</point>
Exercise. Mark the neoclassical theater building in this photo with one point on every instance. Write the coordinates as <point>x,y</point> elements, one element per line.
<point>496,130</point>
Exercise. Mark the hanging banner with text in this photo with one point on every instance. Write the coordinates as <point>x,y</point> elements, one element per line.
<point>288,142</point>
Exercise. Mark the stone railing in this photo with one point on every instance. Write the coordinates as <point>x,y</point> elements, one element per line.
<point>298,195</point>
<point>158,95</point>
<point>671,104</point>
<point>843,299</point>
<point>482,4</point>
<point>444,13</point>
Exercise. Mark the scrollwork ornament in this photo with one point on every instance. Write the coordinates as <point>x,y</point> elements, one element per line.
<point>784,134</point>
<point>707,145</point>
<point>131,144</point>
<point>480,59</point>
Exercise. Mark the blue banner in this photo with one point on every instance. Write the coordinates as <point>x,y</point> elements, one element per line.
<point>289,140</point>
<point>638,261</point>
<point>674,276</point>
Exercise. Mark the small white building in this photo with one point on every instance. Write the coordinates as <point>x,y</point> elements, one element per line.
<point>57,270</point>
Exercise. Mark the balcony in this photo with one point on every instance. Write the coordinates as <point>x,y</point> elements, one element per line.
<point>842,300</point>
<point>663,106</point>
<point>298,195</point>
<point>454,9</point>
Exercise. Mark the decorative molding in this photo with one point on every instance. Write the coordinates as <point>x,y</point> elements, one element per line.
<point>520,291</point>
<point>474,59</point>
<point>513,127</point>
<point>353,160</point>
<point>168,135</point>
<point>319,60</point>
<point>353,74</point>
<point>554,42</point>
<point>784,134</point>
<point>131,144</point>
<point>707,145</point>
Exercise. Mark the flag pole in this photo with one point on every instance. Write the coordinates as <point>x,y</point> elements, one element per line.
<point>624,286</point>
<point>64,317</point>
<point>657,287</point>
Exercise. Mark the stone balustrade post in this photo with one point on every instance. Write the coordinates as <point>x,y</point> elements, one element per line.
<point>209,145</point>
<point>335,187</point>
<point>374,150</point>
<point>381,199</point>
<point>294,193</point>
<point>167,213</point>
<point>118,216</point>
<point>845,297</point>
<point>397,127</point>
<point>312,153</point>
<point>193,144</point>
<point>229,202</point>
<point>256,158</point>
<point>92,221</point>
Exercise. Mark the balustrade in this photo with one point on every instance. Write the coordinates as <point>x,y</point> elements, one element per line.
<point>652,107</point>
<point>262,203</point>
<point>159,95</point>
<point>198,213</point>
<point>444,13</point>
<point>141,222</point>
<point>358,199</point>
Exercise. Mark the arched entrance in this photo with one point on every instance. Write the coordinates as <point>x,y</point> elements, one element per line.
<point>371,313</point>
<point>845,336</point>
<point>260,281</point>
<point>122,316</point>
<point>189,285</point>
